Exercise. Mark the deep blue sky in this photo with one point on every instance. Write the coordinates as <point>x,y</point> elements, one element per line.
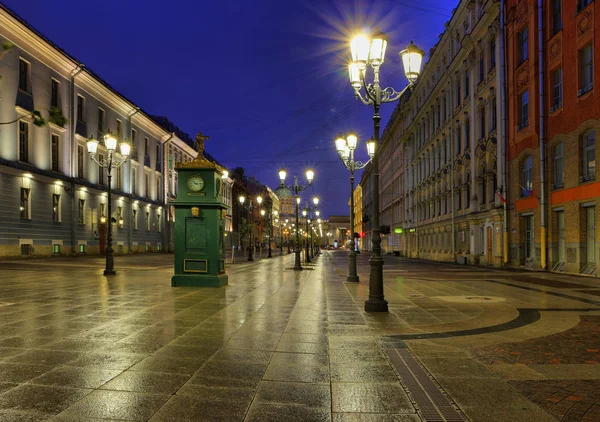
<point>265,79</point>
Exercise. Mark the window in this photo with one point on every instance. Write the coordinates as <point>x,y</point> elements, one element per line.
<point>54,93</point>
<point>133,137</point>
<point>102,210</point>
<point>527,176</point>
<point>25,204</point>
<point>146,147</point>
<point>100,122</point>
<point>445,110</point>
<point>55,150</point>
<point>458,141</point>
<point>556,16</point>
<point>556,89</point>
<point>468,196</point>
<point>147,186</point>
<point>133,180</point>
<point>589,155</point>
<point>101,170</point>
<point>81,214</point>
<point>523,110</point>
<point>157,156</point>
<point>467,133</point>
<point>81,248</point>
<point>80,109</point>
<point>56,249</point>
<point>481,67</point>
<point>523,48</point>
<point>492,54</point>
<point>581,4</point>
<point>458,92</point>
<point>120,217</point>
<point>493,122</point>
<point>158,222</point>
<point>157,188</point>
<point>586,63</point>
<point>559,165</point>
<point>56,208</point>
<point>23,141</point>
<point>148,221</point>
<point>80,160</point>
<point>134,216</point>
<point>119,130</point>
<point>120,178</point>
<point>24,75</point>
<point>482,128</point>
<point>467,84</point>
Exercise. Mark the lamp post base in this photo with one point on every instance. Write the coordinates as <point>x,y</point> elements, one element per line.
<point>110,272</point>
<point>379,305</point>
<point>352,278</point>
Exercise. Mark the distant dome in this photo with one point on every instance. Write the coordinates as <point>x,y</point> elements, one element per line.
<point>283,192</point>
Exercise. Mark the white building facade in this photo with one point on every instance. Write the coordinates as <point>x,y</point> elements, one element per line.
<point>54,196</point>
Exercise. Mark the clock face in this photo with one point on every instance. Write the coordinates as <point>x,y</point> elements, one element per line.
<point>195,183</point>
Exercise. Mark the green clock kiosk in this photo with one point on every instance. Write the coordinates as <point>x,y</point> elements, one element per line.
<point>199,223</point>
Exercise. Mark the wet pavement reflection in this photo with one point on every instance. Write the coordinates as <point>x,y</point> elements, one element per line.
<point>279,345</point>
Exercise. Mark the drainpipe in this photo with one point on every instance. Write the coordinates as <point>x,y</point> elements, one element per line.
<point>166,181</point>
<point>504,129</point>
<point>451,140</point>
<point>544,234</point>
<point>130,212</point>
<point>73,150</point>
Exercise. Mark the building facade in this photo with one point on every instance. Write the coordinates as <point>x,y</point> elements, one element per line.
<point>54,194</point>
<point>552,134</point>
<point>441,152</point>
<point>358,216</point>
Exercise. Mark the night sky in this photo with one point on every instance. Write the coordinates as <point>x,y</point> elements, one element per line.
<point>265,79</point>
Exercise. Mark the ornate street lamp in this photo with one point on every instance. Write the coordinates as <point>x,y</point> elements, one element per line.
<point>297,188</point>
<point>270,222</point>
<point>112,161</point>
<point>371,51</point>
<point>345,148</point>
<point>306,214</point>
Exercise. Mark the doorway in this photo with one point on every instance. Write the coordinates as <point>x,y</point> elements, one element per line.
<point>562,252</point>
<point>591,235</point>
<point>529,238</point>
<point>489,246</point>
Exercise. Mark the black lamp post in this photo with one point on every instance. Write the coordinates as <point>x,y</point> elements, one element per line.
<point>306,214</point>
<point>111,162</point>
<point>345,148</point>
<point>371,51</point>
<point>297,188</point>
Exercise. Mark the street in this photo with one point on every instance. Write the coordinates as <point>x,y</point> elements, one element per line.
<point>458,343</point>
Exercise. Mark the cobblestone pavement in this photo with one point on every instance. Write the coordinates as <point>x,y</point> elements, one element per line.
<point>277,345</point>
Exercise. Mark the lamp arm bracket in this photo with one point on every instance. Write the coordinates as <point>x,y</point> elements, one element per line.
<point>365,101</point>
<point>101,163</point>
<point>118,163</point>
<point>389,94</point>
<point>359,165</point>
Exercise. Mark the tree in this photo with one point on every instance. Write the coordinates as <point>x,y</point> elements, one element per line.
<point>38,120</point>
<point>246,230</point>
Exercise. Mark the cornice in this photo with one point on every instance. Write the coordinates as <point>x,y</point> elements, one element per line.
<point>36,46</point>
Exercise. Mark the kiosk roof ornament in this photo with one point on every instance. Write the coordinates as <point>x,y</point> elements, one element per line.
<point>200,162</point>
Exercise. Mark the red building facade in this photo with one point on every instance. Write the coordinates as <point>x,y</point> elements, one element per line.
<point>553,115</point>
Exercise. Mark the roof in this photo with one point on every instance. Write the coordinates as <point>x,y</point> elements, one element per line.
<point>283,192</point>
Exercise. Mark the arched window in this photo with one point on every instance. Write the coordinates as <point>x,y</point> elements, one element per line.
<point>589,155</point>
<point>527,176</point>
